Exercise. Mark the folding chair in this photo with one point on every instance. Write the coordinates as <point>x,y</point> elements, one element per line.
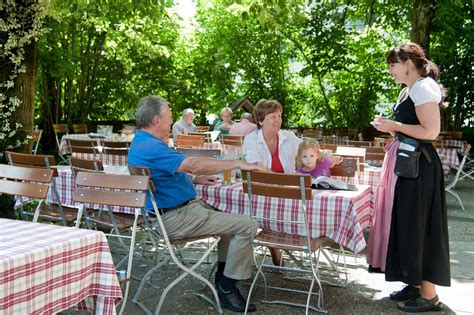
<point>36,139</point>
<point>374,155</point>
<point>26,182</point>
<point>115,190</point>
<point>84,146</point>
<point>207,136</point>
<point>114,148</point>
<point>86,165</point>
<point>49,211</point>
<point>189,141</point>
<point>359,143</point>
<point>214,153</point>
<point>202,128</point>
<point>80,128</point>
<point>232,140</point>
<point>452,185</point>
<point>161,233</point>
<point>297,187</point>
<point>59,131</point>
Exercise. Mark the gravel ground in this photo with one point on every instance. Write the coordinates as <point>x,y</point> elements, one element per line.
<point>365,293</point>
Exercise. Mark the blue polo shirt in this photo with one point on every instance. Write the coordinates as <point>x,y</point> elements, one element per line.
<point>172,188</point>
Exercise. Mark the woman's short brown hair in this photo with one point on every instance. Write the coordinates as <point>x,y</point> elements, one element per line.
<point>265,107</point>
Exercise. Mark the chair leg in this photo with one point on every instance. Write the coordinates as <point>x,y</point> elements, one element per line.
<point>455,194</point>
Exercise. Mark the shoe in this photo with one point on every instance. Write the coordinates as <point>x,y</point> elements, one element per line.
<point>420,304</point>
<point>404,294</point>
<point>217,278</point>
<point>233,300</point>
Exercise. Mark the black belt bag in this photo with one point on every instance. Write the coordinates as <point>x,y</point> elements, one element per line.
<point>408,156</point>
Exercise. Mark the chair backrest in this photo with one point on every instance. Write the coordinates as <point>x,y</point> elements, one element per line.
<point>59,130</point>
<point>82,146</point>
<point>190,141</point>
<point>325,146</point>
<point>142,171</point>
<point>203,128</point>
<point>214,153</point>
<point>31,160</point>
<point>207,136</point>
<point>359,143</point>
<point>374,155</point>
<point>37,185</point>
<point>352,152</point>
<point>86,165</point>
<point>80,128</point>
<point>232,140</point>
<point>347,168</point>
<point>111,189</point>
<point>312,133</point>
<point>381,142</point>
<point>115,147</point>
<point>467,149</point>
<point>290,186</point>
<point>36,139</point>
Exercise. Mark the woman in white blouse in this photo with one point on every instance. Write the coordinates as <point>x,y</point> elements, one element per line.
<point>409,236</point>
<point>270,146</point>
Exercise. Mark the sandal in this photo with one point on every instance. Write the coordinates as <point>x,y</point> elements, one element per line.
<point>420,304</point>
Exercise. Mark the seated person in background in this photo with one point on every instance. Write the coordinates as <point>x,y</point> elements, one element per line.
<point>244,127</point>
<point>185,216</point>
<point>311,160</point>
<point>271,146</point>
<point>224,125</point>
<point>185,125</point>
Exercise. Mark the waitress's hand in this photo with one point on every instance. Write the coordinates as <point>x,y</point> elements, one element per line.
<point>384,124</point>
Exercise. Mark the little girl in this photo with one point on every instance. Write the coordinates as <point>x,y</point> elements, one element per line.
<point>310,159</point>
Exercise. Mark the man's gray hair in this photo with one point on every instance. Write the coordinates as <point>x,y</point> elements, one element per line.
<point>247,116</point>
<point>148,108</point>
<point>188,111</point>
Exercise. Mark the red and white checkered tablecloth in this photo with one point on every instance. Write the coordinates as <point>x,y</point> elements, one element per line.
<point>107,159</point>
<point>337,214</point>
<point>45,268</point>
<point>448,157</point>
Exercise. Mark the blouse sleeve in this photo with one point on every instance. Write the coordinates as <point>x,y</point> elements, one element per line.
<point>425,91</point>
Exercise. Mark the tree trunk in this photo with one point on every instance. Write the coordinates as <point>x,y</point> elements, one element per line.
<point>24,89</point>
<point>423,13</point>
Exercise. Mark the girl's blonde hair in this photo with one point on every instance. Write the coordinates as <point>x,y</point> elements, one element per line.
<point>310,143</point>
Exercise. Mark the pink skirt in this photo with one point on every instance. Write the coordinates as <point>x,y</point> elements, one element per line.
<point>381,219</point>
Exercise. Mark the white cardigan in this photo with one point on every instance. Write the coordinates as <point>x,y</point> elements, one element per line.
<point>255,148</point>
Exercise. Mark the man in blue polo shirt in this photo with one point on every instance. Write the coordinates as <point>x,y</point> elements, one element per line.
<point>182,214</point>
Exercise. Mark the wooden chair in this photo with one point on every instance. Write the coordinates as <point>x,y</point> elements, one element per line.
<point>86,165</point>
<point>374,155</point>
<point>207,136</point>
<point>297,187</point>
<point>313,133</point>
<point>214,153</point>
<point>129,129</point>
<point>114,148</point>
<point>353,152</point>
<point>232,140</point>
<point>347,168</point>
<point>359,143</point>
<point>330,147</point>
<point>189,141</point>
<point>26,182</point>
<point>80,128</point>
<point>59,131</point>
<point>36,140</point>
<point>84,146</point>
<point>202,128</point>
<point>170,246</point>
<point>115,190</point>
<point>54,211</point>
<point>381,142</point>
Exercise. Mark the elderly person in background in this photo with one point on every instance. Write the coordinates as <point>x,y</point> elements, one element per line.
<point>185,216</point>
<point>185,125</point>
<point>244,127</point>
<point>224,125</point>
<point>271,147</point>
